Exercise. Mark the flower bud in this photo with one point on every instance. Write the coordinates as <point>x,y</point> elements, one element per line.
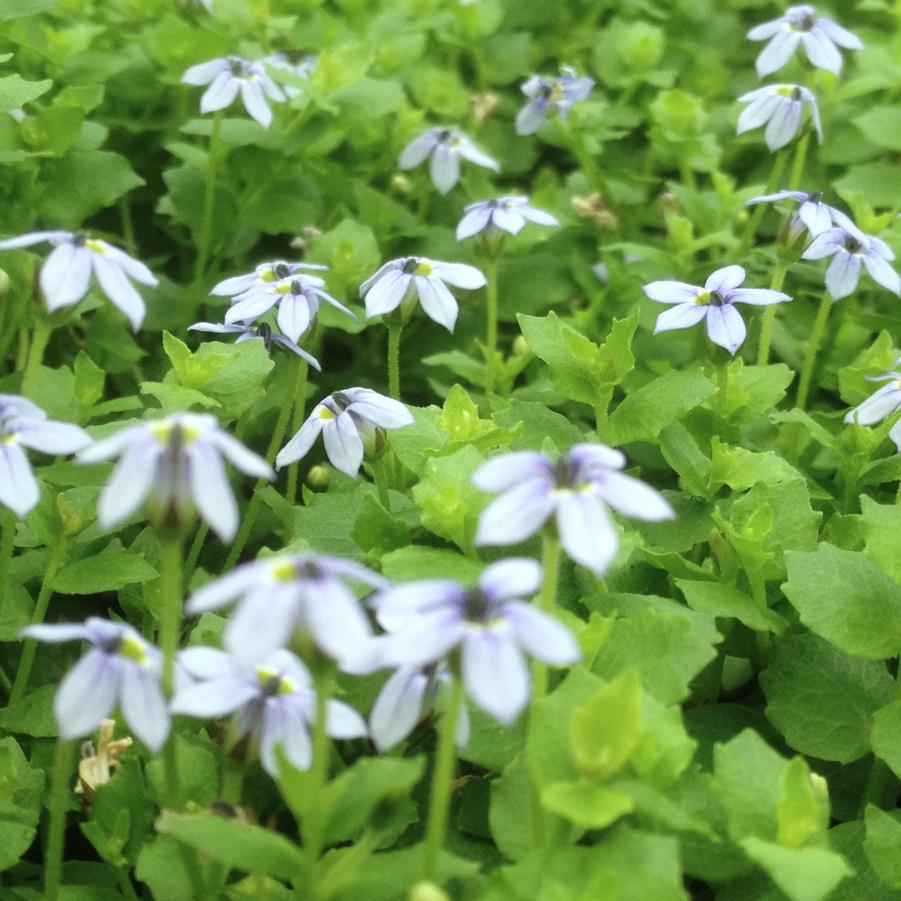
<point>427,891</point>
<point>319,477</point>
<point>4,282</point>
<point>520,347</point>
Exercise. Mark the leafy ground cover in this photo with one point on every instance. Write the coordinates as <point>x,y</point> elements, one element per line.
<point>450,450</point>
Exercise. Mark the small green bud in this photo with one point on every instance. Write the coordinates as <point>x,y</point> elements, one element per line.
<point>427,891</point>
<point>4,282</point>
<point>520,347</point>
<point>319,477</point>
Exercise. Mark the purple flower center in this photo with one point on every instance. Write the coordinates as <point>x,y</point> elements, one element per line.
<point>444,136</point>
<point>410,264</point>
<point>237,66</point>
<point>310,571</point>
<point>796,94</point>
<point>815,197</point>
<point>79,239</point>
<point>264,331</point>
<point>477,607</point>
<point>717,299</point>
<point>111,645</point>
<point>341,401</point>
<point>296,288</point>
<point>852,245</point>
<point>282,271</point>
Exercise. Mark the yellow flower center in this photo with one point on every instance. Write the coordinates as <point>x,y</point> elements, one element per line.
<point>96,246</point>
<point>324,413</point>
<point>424,267</point>
<point>274,682</point>
<point>162,431</point>
<point>283,572</point>
<point>132,649</point>
<point>703,299</point>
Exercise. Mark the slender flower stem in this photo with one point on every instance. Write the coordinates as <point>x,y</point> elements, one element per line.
<point>757,215</point>
<point>547,600</point>
<point>194,551</point>
<point>442,776</point>
<point>491,322</point>
<point>170,612</point>
<point>8,521</point>
<point>813,345</point>
<point>42,330</point>
<point>769,316</point>
<point>799,161</point>
<point>722,394</point>
<point>394,332</point>
<point>29,648</point>
<point>381,477</point>
<point>209,199</point>
<point>314,820</point>
<point>300,409</point>
<point>11,325</point>
<point>63,767</point>
<point>278,435</point>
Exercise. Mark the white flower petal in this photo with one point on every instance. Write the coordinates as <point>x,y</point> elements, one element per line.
<point>226,589</point>
<point>516,577</point>
<point>398,708</point>
<point>129,485</point>
<point>436,301</point>
<point>843,274</point>
<point>444,168</point>
<point>18,487</point>
<point>586,532</point>
<point>65,275</point>
<point>221,93</point>
<point>507,470</point>
<point>495,674</point>
<point>212,494</point>
<point>541,635</point>
<point>144,706</point>
<point>633,497</point>
<point>255,103</point>
<point>343,444</point>
<point>671,292</point>
<point>783,124</point>
<point>682,315</point>
<point>877,406</point>
<point>821,51</point>
<point>516,515</point>
<point>119,290</point>
<point>387,293</point>
<point>725,327</point>
<point>299,446</point>
<point>87,695</point>
<point>460,275</point>
<point>881,272</point>
<point>416,151</point>
<point>777,53</point>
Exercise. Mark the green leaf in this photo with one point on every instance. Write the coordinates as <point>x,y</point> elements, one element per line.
<point>646,412</point>
<point>243,846</point>
<point>163,868</point>
<point>881,126</point>
<point>883,845</point>
<point>15,92</point>
<point>604,731</point>
<point>416,562</point>
<point>351,252</point>
<point>108,571</point>
<point>33,715</point>
<point>804,874</point>
<point>881,526</point>
<point>822,700</point>
<point>885,736</point>
<point>586,804</point>
<point>803,810</point>
<point>841,596</point>
<point>20,802</point>
<point>716,599</point>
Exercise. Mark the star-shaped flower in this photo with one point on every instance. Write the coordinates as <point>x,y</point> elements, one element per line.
<point>781,107</point>
<point>507,214</point>
<point>445,147</point>
<point>546,95</point>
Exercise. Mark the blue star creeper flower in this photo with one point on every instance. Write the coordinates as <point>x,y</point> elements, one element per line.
<point>557,94</point>
<point>408,695</point>
<point>881,404</point>
<point>293,593</point>
<point>120,669</point>
<point>263,275</point>
<point>507,214</point>
<point>575,489</point>
<point>799,25</point>
<point>714,302</point>
<point>230,74</point>
<point>812,214</point>
<point>445,147</point>
<point>349,421</point>
<point>24,424</point>
<point>399,282</point>
<point>246,331</point>
<point>272,700</point>
<point>781,107</point>
<point>66,273</point>
<point>490,624</point>
<point>849,247</point>
<point>176,463</point>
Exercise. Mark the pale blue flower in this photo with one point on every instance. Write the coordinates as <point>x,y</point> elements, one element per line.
<point>227,76</point>
<point>812,214</point>
<point>66,274</point>
<point>849,247</point>
<point>557,94</point>
<point>714,302</point>
<point>246,331</point>
<point>273,702</point>
<point>881,404</point>
<point>408,696</point>
<point>507,214</point>
<point>400,282</point>
<point>490,626</point>
<point>24,424</point>
<point>120,669</point>
<point>176,464</point>
<point>780,107</point>
<point>263,275</point>
<point>445,147</point>
<point>575,489</point>
<point>348,421</point>
<point>800,25</point>
<point>293,594</point>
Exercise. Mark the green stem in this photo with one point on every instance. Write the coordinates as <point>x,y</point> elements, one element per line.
<point>209,199</point>
<point>442,777</point>
<point>300,409</point>
<point>816,337</point>
<point>576,144</point>
<point>722,393</point>
<point>7,543</point>
<point>769,316</point>
<point>547,601</point>
<point>757,215</point>
<point>381,477</point>
<point>63,766</point>
<point>799,160</point>
<point>314,821</point>
<point>29,648</point>
<point>491,322</point>
<point>170,613</point>
<point>42,330</point>
<point>394,332</point>
<point>11,326</point>
<point>194,551</point>
<point>278,435</point>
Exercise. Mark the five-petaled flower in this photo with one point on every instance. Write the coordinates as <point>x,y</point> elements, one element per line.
<point>66,273</point>
<point>445,147</point>
<point>288,594</point>
<point>349,421</point>
<point>714,302</point>
<point>246,331</point>
<point>576,489</point>
<point>849,247</point>
<point>120,669</point>
<point>230,74</point>
<point>557,94</point>
<point>507,214</point>
<point>882,403</point>
<point>273,701</point>
<point>812,214</point>
<point>490,624</point>
<point>780,106</point>
<point>176,463</point>
<point>24,424</point>
<point>399,282</point>
<point>799,25</point>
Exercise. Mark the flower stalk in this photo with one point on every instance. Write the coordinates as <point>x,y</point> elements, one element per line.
<point>63,766</point>
<point>491,317</point>
<point>209,199</point>
<point>395,329</point>
<point>805,384</point>
<point>170,612</point>
<point>43,329</point>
